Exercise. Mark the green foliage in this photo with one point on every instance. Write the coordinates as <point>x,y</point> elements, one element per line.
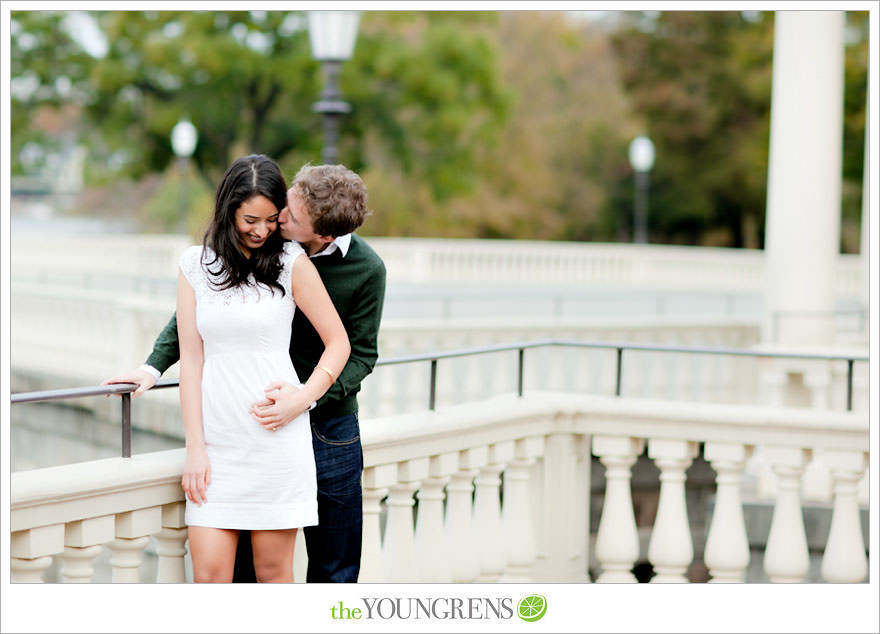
<point>854,109</point>
<point>544,174</point>
<point>247,82</point>
<point>179,204</point>
<point>701,81</point>
<point>469,124</point>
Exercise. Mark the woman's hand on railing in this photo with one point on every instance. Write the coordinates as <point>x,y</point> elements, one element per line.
<point>143,379</point>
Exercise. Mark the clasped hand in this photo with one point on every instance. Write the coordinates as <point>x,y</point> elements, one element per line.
<point>284,402</point>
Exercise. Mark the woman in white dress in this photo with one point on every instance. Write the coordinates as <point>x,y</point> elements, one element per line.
<point>236,296</point>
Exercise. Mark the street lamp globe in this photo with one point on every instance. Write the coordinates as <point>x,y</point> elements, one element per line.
<point>183,143</point>
<point>184,138</point>
<point>332,35</point>
<point>641,154</point>
<point>641,157</point>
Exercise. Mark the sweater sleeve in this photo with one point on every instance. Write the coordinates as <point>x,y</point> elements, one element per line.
<point>166,348</point>
<point>362,324</point>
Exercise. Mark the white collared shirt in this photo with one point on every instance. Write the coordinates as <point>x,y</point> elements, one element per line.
<point>341,242</point>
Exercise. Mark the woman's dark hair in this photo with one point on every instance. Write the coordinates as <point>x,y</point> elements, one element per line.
<point>248,176</point>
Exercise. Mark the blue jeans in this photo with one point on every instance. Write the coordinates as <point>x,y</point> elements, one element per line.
<point>334,545</point>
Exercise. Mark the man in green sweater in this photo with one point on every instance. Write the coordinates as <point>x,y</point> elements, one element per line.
<point>325,204</point>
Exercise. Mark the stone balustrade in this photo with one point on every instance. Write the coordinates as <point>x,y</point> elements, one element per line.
<point>501,489</point>
<point>140,261</point>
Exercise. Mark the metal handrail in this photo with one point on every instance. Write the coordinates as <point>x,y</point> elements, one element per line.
<point>125,389</point>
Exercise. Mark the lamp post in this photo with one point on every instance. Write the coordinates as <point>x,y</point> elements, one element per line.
<point>641,158</point>
<point>183,142</point>
<point>332,35</point>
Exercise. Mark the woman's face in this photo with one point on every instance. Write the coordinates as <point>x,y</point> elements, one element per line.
<point>255,221</point>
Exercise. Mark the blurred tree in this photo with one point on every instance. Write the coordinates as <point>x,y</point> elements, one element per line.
<point>545,175</point>
<point>424,84</point>
<point>701,81</point>
<point>47,70</point>
<point>854,110</point>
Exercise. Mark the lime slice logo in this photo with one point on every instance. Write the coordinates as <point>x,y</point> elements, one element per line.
<point>532,608</point>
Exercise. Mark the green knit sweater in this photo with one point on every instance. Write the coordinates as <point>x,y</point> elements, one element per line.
<point>356,285</point>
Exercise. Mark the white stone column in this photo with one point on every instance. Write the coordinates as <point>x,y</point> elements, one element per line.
<point>376,481</point>
<point>460,527</point>
<point>844,560</point>
<point>133,529</point>
<point>671,548</point>
<point>301,557</point>
<point>171,544</point>
<point>82,544</point>
<point>727,545</point>
<point>400,549</point>
<point>804,176</point>
<point>432,547</point>
<point>487,513</point>
<point>617,541</point>
<point>126,560</point>
<point>79,563</point>
<point>556,508</point>
<point>29,570</point>
<point>786,557</point>
<point>516,513</point>
<point>31,552</point>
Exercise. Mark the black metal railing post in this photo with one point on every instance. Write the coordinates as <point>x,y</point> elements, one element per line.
<point>432,396</point>
<point>849,383</point>
<point>126,425</point>
<point>519,371</point>
<point>619,368</point>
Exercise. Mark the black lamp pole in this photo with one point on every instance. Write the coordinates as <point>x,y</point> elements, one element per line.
<point>332,107</point>
<point>332,36</point>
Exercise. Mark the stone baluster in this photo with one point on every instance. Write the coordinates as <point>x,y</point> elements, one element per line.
<point>786,557</point>
<point>579,533</point>
<point>432,548</point>
<point>31,552</point>
<point>558,502</point>
<point>133,529</point>
<point>399,548</point>
<point>376,481</point>
<point>301,557</point>
<point>517,512</point>
<point>460,525</point>
<point>816,480</point>
<point>844,560</point>
<point>671,548</point>
<point>171,545</point>
<point>487,513</point>
<point>863,493</point>
<point>29,570</point>
<point>727,545</point>
<point>79,563</point>
<point>818,381</point>
<point>82,545</point>
<point>617,541</point>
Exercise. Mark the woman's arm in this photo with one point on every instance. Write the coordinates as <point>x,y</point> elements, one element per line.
<point>197,469</point>
<point>312,299</point>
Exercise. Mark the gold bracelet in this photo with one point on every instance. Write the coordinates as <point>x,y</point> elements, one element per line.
<point>332,377</point>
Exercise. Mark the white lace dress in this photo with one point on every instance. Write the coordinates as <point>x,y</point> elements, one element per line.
<point>260,479</point>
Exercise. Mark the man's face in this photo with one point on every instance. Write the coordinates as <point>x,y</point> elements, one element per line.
<point>295,224</point>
